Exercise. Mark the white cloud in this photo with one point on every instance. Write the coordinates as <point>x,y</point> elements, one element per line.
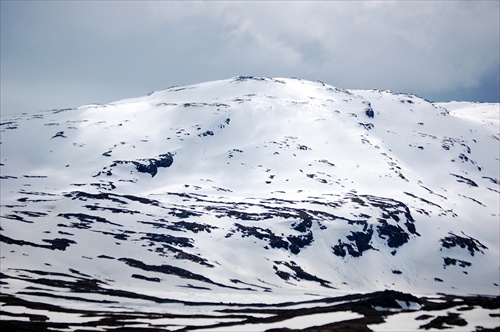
<point>429,46</point>
<point>425,47</point>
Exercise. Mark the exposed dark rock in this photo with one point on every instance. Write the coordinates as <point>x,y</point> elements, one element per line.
<point>367,126</point>
<point>298,242</point>
<point>8,123</point>
<point>206,133</point>
<point>439,322</point>
<point>111,209</point>
<point>299,273</point>
<point>251,216</point>
<point>466,242</point>
<point>472,199</point>
<point>59,134</point>
<point>191,226</point>
<point>166,269</point>
<point>105,256</point>
<point>142,200</point>
<point>360,242</point>
<point>495,181</point>
<point>465,180</point>
<point>172,270</point>
<point>195,287</point>
<point>79,273</point>
<point>16,217</point>
<point>388,299</point>
<point>149,165</point>
<point>255,78</point>
<point>340,249</point>
<point>59,244</point>
<point>164,160</point>
<point>305,224</point>
<point>60,110</point>
<point>119,236</point>
<point>32,214</point>
<point>452,261</point>
<point>263,234</point>
<point>55,244</point>
<point>395,217</point>
<point>182,255</point>
<point>138,276</point>
<point>85,219</point>
<point>369,112</point>
<point>83,196</point>
<point>169,239</point>
<point>181,213</point>
<point>423,199</point>
<point>394,235</point>
<point>245,78</point>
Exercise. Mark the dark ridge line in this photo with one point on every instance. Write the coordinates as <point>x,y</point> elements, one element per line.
<point>71,298</point>
<point>422,199</point>
<point>55,244</point>
<point>174,270</point>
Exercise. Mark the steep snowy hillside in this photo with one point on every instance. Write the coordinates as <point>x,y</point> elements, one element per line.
<point>249,190</point>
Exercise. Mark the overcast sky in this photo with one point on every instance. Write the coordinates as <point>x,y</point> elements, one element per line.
<point>58,54</point>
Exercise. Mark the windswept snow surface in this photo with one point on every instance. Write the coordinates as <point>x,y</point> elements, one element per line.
<point>256,190</point>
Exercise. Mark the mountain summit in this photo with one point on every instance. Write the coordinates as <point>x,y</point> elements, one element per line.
<point>251,189</point>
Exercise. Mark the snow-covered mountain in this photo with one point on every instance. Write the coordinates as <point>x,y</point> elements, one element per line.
<point>250,190</point>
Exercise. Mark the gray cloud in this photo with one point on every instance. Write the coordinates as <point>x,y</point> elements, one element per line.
<point>59,54</point>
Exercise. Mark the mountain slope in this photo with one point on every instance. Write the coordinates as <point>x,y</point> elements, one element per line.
<point>251,190</point>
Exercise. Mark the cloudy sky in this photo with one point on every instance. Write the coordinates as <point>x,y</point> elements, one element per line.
<point>57,54</point>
